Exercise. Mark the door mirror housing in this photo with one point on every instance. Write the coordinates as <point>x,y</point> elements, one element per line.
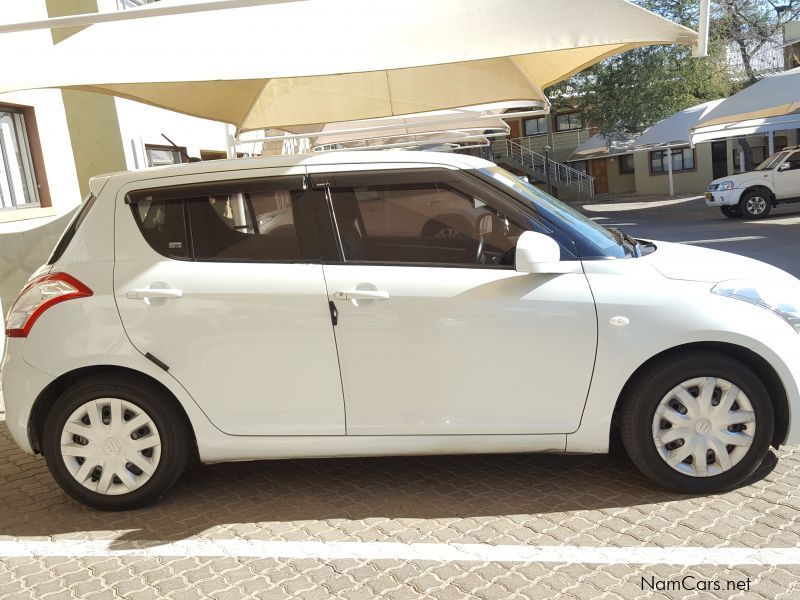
<point>539,253</point>
<point>784,167</point>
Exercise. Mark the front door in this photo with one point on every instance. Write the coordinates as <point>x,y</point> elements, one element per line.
<point>215,281</point>
<point>437,334</point>
<point>600,174</point>
<point>787,177</point>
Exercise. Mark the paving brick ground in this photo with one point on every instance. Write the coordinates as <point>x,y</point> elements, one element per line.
<point>532,500</point>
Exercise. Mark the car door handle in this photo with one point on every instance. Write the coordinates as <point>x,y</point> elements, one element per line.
<point>154,293</point>
<point>361,295</point>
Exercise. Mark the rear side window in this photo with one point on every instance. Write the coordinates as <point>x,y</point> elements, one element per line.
<point>163,224</point>
<point>230,222</point>
<point>71,229</point>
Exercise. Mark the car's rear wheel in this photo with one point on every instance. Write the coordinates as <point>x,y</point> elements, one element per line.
<point>755,204</point>
<point>732,212</point>
<point>115,444</point>
<point>700,423</point>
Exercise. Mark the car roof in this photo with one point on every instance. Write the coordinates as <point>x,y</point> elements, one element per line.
<point>448,159</point>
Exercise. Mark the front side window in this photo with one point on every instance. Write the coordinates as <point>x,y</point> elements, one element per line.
<point>419,219</point>
<point>230,222</point>
<point>17,178</point>
<point>682,160</point>
<point>793,162</point>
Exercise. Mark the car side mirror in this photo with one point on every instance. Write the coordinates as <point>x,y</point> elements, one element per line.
<point>539,253</point>
<point>784,167</point>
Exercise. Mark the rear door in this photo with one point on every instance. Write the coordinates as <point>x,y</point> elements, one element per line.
<point>220,281</point>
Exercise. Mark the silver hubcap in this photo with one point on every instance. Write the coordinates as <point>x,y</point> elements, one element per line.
<point>756,205</point>
<point>110,446</point>
<point>704,426</point>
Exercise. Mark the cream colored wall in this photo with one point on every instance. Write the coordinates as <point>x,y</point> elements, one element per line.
<point>92,118</point>
<point>619,184</point>
<point>685,182</point>
<point>51,121</point>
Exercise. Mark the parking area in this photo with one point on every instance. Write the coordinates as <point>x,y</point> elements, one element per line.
<point>496,526</point>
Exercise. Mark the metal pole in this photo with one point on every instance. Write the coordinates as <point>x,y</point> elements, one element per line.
<point>669,169</point>
<point>547,169</point>
<point>702,33</point>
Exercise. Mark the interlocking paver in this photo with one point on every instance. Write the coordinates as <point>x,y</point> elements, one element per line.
<point>522,499</point>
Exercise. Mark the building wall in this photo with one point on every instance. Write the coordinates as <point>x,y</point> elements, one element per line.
<point>619,183</point>
<point>51,122</point>
<point>685,182</point>
<point>91,118</point>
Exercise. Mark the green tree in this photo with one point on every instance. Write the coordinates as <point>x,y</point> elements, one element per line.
<point>631,91</point>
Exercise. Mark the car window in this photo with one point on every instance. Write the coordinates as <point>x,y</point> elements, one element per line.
<point>246,221</point>
<point>419,219</point>
<point>257,225</point>
<point>793,161</point>
<point>162,224</point>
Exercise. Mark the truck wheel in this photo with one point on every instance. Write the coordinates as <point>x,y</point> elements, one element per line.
<point>755,204</point>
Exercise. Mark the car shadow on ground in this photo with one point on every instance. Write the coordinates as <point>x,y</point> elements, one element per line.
<point>436,487</point>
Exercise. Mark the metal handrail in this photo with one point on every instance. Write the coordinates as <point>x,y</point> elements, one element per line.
<point>560,174</point>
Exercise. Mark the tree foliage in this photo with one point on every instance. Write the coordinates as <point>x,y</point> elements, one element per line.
<point>631,91</point>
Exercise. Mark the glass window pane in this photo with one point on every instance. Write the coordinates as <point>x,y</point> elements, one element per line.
<point>421,222</point>
<point>688,158</point>
<point>677,160</point>
<point>655,162</point>
<point>256,225</point>
<point>17,183</point>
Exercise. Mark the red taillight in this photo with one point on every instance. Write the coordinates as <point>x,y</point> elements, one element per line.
<point>39,295</point>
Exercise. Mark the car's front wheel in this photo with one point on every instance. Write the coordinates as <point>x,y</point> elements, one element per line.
<point>755,204</point>
<point>699,423</point>
<point>115,443</point>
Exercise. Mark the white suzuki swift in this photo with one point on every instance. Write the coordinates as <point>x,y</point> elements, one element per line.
<point>364,304</point>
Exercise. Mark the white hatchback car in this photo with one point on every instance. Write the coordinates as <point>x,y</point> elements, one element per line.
<point>171,321</point>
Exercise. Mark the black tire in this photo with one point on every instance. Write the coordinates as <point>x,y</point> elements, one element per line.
<point>645,394</point>
<point>175,440</point>
<point>751,203</point>
<point>732,212</point>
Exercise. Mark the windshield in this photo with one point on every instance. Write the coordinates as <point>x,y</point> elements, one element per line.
<point>592,240</point>
<point>772,161</point>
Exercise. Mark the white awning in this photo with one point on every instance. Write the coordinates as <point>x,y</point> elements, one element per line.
<point>674,130</point>
<point>598,146</point>
<point>772,104</point>
<point>292,63</point>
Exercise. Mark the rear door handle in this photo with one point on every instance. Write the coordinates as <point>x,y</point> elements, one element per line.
<point>154,293</point>
<point>361,295</point>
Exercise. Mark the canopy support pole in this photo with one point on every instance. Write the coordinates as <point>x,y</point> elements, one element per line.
<point>771,142</point>
<point>702,38</point>
<point>669,170</point>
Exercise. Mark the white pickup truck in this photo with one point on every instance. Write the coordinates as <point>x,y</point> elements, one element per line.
<point>753,194</point>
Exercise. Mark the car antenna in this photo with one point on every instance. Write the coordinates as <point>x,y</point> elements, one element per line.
<point>182,151</point>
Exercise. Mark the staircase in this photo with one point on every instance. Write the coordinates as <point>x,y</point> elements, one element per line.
<point>513,154</point>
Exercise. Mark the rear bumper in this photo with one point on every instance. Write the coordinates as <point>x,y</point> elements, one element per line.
<point>21,385</point>
<point>723,197</point>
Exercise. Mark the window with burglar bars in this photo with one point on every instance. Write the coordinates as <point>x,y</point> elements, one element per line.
<point>17,178</point>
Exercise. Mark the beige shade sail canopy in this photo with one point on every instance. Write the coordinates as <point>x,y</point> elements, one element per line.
<point>772,104</point>
<point>317,61</point>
